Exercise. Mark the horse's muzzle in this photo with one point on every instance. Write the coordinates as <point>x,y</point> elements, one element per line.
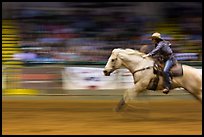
<point>106,73</point>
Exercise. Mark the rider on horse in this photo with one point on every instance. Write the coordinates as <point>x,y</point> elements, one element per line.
<point>164,53</point>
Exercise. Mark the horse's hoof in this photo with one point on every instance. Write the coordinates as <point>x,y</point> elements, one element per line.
<point>117,109</point>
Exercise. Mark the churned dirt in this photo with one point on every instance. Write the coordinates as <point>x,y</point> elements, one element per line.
<point>89,117</point>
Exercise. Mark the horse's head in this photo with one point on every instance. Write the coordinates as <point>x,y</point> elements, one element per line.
<point>123,57</point>
<point>113,63</point>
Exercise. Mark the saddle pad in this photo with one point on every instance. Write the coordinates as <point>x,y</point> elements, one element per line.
<point>176,70</point>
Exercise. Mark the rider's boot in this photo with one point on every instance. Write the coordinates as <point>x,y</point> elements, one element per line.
<point>166,90</point>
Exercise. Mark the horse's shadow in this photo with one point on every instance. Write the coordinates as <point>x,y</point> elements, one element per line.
<point>132,113</point>
<point>129,112</point>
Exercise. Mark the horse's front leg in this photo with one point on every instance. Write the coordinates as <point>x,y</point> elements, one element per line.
<point>120,105</point>
<point>129,94</point>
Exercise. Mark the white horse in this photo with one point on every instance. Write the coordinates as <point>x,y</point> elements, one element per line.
<point>142,70</point>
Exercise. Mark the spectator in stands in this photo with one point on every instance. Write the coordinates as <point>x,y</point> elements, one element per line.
<point>27,55</point>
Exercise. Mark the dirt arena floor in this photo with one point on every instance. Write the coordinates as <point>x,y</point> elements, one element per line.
<point>64,116</point>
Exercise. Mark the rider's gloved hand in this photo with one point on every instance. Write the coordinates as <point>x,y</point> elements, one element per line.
<point>144,56</point>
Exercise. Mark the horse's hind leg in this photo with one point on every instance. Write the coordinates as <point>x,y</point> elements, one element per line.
<point>197,94</point>
<point>200,97</point>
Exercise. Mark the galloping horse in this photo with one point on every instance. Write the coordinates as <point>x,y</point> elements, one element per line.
<point>142,70</point>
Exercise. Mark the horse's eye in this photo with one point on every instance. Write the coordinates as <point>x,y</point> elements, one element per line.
<point>112,60</point>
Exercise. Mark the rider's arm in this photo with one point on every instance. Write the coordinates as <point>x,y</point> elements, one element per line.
<point>154,51</point>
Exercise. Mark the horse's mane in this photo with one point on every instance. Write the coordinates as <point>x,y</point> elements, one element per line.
<point>134,52</point>
<point>129,51</point>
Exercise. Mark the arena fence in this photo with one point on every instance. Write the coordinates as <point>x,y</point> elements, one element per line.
<point>65,80</point>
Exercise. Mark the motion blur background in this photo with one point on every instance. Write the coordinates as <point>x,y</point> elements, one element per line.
<point>45,44</point>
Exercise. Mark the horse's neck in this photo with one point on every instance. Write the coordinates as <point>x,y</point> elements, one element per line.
<point>134,65</point>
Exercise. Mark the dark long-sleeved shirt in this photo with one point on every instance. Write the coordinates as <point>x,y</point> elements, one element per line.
<point>162,49</point>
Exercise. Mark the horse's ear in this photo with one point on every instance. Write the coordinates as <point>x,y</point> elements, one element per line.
<point>122,56</point>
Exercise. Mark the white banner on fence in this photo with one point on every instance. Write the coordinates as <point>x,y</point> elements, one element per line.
<point>93,78</point>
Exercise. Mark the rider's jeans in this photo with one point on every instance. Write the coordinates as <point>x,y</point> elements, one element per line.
<point>169,63</point>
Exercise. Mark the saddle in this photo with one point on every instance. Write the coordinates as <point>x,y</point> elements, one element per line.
<point>175,71</point>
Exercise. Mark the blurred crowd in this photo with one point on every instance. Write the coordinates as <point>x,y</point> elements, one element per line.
<point>89,33</point>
